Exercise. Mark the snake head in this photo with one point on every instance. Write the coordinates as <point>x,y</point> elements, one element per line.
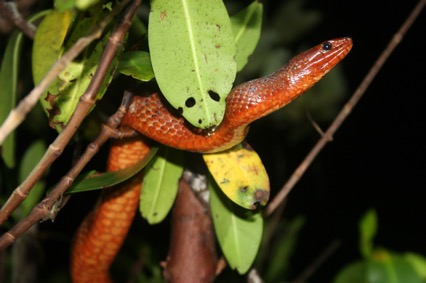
<point>257,98</point>
<point>307,68</point>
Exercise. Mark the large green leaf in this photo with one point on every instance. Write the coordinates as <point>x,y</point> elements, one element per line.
<point>246,26</point>
<point>160,184</point>
<point>193,51</point>
<point>238,231</point>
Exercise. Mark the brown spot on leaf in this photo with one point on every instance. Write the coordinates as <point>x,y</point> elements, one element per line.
<point>261,196</point>
<point>53,111</point>
<point>163,14</point>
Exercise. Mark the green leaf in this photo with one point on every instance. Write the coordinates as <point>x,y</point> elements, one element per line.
<point>30,159</point>
<point>238,231</point>
<point>136,64</point>
<point>246,26</point>
<point>386,267</point>
<point>279,257</point>
<point>367,229</point>
<point>418,262</point>
<point>48,42</point>
<point>8,83</point>
<point>85,4</point>
<point>193,51</point>
<point>160,184</point>
<point>64,5</point>
<point>353,273</point>
<point>109,179</point>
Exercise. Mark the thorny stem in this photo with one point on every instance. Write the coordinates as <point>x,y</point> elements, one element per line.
<point>9,10</point>
<point>44,208</point>
<point>346,110</point>
<point>85,104</point>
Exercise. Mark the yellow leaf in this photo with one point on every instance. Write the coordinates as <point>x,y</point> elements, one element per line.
<point>240,174</point>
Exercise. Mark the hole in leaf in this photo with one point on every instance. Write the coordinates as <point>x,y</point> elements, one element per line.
<point>200,121</point>
<point>190,102</point>
<point>214,95</point>
<point>180,111</point>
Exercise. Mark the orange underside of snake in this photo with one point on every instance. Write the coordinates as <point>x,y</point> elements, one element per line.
<point>102,233</point>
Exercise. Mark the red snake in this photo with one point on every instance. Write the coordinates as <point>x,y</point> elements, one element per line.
<point>101,235</point>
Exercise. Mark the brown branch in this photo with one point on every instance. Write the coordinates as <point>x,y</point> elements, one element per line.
<point>192,254</point>
<point>10,11</point>
<point>346,110</point>
<point>44,208</point>
<point>85,104</point>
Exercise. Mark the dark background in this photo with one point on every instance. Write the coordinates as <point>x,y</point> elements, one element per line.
<point>377,158</point>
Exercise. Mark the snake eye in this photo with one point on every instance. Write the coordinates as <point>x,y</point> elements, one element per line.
<point>327,46</point>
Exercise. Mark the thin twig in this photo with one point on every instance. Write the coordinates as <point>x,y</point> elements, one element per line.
<point>44,208</point>
<point>346,110</point>
<point>10,11</point>
<point>85,104</point>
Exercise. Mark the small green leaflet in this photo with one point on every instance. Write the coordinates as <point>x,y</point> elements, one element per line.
<point>109,179</point>
<point>367,231</point>
<point>238,231</point>
<point>136,64</point>
<point>192,49</point>
<point>160,184</point>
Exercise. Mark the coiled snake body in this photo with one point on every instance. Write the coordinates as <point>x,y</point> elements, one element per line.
<point>103,231</point>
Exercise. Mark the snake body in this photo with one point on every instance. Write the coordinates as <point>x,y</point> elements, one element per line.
<point>103,231</point>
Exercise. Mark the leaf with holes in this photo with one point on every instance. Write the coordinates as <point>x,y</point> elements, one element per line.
<point>160,184</point>
<point>247,25</point>
<point>240,174</point>
<point>238,231</point>
<point>192,50</point>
